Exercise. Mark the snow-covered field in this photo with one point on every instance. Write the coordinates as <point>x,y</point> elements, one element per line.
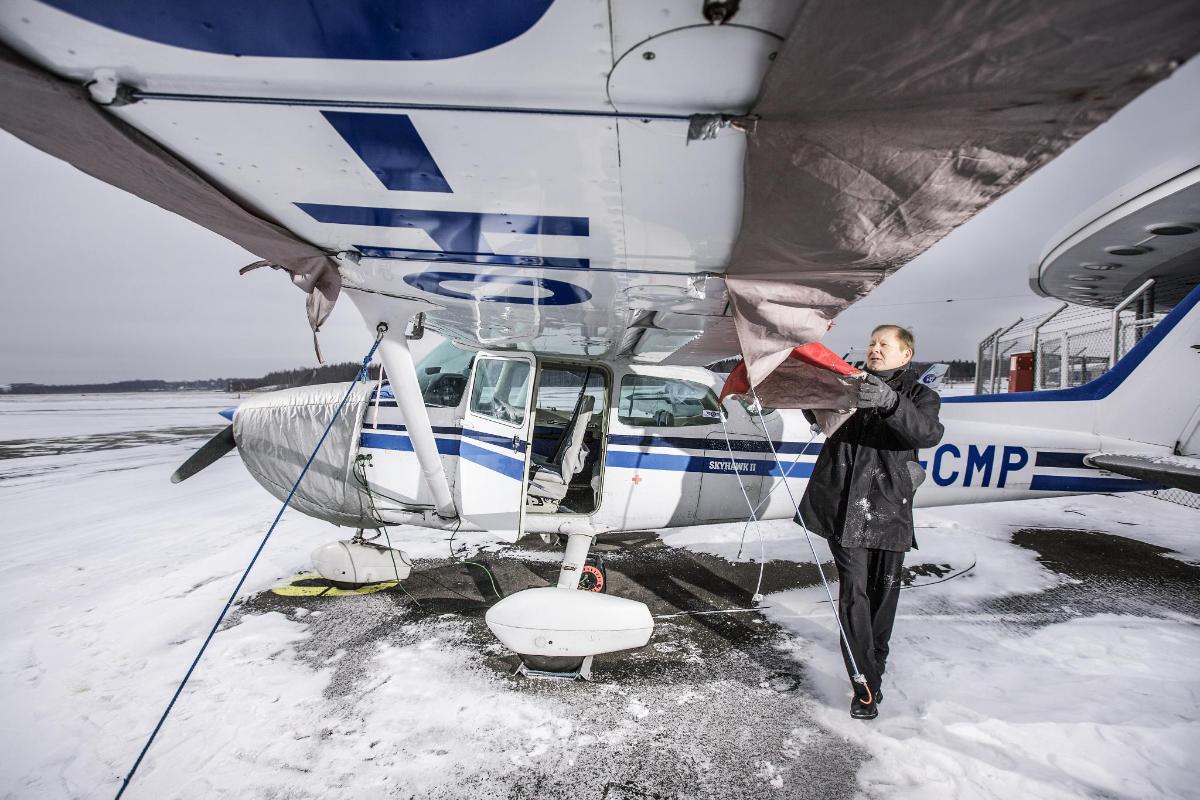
<point>1063,665</point>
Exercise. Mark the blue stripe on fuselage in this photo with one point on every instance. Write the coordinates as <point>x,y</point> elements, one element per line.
<point>496,439</point>
<point>512,466</point>
<point>696,443</point>
<point>1084,484</point>
<point>722,466</point>
<point>497,462</point>
<point>1045,458</point>
<point>446,446</point>
<point>450,442</point>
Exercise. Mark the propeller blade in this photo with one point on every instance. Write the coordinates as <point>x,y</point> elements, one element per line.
<point>213,449</point>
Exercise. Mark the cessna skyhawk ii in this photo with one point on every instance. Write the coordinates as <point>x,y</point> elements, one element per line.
<point>591,201</point>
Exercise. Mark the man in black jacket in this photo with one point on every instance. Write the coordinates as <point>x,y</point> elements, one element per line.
<point>860,498</point>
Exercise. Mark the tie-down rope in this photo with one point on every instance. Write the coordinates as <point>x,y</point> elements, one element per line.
<point>381,329</point>
<point>784,473</point>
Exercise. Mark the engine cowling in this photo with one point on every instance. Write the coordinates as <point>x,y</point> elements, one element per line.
<point>277,431</point>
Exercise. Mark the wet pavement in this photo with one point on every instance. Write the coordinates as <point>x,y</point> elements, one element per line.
<point>728,711</point>
<point>1105,574</point>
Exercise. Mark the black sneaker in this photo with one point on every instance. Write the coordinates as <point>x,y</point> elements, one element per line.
<point>860,709</point>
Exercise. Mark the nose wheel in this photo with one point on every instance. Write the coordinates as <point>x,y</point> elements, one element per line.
<point>593,577</point>
<point>556,630</point>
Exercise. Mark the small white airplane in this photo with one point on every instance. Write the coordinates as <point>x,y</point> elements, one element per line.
<point>557,189</point>
<point>933,376</point>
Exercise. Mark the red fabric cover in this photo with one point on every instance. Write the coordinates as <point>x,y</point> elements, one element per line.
<point>814,353</point>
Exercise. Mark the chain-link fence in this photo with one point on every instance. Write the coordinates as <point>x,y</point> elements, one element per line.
<point>1177,496</point>
<point>1070,346</point>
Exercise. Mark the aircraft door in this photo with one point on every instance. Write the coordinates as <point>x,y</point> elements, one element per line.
<point>494,446</point>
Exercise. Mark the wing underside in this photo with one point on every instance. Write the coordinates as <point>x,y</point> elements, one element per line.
<point>581,179</point>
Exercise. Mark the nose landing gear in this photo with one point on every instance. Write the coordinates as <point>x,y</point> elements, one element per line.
<point>556,630</point>
<point>594,577</point>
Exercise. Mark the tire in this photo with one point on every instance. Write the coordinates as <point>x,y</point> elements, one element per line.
<point>594,577</point>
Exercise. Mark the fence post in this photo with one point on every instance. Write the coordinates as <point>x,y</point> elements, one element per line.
<point>1037,353</point>
<point>995,385</point>
<point>983,345</point>
<point>1064,362</point>
<point>1116,321</point>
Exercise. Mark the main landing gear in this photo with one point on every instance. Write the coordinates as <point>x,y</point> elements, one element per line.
<point>557,630</point>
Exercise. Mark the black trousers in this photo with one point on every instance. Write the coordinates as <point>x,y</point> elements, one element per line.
<point>868,590</point>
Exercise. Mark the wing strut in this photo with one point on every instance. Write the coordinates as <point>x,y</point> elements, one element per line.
<point>397,359</point>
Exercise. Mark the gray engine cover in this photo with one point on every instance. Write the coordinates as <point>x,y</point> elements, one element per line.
<point>277,431</point>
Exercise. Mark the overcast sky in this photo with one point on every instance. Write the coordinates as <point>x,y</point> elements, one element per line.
<point>101,286</point>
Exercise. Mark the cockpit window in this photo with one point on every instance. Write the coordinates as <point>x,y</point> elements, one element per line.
<point>442,375</point>
<point>647,401</point>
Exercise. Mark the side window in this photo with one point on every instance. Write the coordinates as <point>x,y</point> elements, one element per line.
<point>500,389</point>
<point>647,401</point>
<point>559,390</point>
<point>749,406</point>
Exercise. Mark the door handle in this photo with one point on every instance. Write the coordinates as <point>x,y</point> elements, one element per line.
<point>516,443</point>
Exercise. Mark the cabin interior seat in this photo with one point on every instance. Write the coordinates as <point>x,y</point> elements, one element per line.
<point>552,477</point>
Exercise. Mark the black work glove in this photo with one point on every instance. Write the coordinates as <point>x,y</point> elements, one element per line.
<point>873,392</point>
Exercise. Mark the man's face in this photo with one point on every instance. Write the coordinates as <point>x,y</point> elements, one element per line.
<point>886,351</point>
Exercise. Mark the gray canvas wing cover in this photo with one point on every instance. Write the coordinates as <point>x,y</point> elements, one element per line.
<point>883,126</point>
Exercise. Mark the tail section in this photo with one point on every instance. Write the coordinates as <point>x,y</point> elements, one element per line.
<point>1155,389</point>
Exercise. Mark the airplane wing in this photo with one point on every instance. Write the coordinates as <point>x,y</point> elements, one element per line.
<point>878,134</point>
<point>59,117</point>
<point>599,181</point>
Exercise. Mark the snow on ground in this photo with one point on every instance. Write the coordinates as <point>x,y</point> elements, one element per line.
<point>54,416</point>
<point>984,705</point>
<point>1017,678</point>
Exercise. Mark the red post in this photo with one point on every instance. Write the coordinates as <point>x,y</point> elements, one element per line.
<point>1020,372</point>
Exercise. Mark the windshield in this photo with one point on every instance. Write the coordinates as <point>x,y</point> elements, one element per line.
<point>442,375</point>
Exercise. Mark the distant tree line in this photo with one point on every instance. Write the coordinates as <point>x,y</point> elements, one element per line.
<point>303,376</point>
<point>280,379</point>
<point>331,373</point>
<point>960,370</point>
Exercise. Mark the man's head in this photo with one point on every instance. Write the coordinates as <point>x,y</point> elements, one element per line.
<point>891,347</point>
